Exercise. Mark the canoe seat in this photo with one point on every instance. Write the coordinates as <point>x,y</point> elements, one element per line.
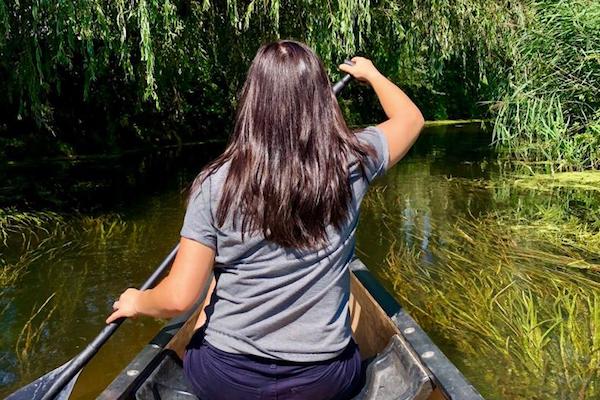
<point>396,373</point>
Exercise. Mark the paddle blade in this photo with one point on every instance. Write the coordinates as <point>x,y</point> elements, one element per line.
<point>38,388</point>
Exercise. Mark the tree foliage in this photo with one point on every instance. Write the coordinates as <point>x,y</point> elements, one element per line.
<point>116,73</point>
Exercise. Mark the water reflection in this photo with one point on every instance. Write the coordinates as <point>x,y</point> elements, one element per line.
<point>426,187</point>
<point>504,277</point>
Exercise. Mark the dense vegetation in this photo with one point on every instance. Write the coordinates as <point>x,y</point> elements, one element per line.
<point>551,110</point>
<point>101,76</point>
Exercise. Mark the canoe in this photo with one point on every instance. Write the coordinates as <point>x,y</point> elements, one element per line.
<point>403,362</point>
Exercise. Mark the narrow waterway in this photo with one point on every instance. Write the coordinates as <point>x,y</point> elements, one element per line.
<point>437,230</point>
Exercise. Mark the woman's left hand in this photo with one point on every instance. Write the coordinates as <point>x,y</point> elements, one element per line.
<point>126,306</point>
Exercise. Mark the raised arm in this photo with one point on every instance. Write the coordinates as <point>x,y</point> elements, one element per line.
<point>405,120</point>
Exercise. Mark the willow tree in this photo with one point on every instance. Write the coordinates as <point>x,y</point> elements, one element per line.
<point>110,70</point>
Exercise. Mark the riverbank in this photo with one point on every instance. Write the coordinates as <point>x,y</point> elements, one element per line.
<point>147,149</point>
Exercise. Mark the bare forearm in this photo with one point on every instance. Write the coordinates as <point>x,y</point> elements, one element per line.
<point>159,302</point>
<point>174,294</point>
<point>181,288</point>
<point>405,120</point>
<point>152,302</point>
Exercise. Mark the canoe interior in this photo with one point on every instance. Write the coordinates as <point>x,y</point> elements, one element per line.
<point>397,350</point>
<point>372,329</point>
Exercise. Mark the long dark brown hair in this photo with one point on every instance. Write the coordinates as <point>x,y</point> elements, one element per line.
<point>290,151</point>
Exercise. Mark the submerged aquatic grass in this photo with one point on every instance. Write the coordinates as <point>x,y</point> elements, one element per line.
<point>10,272</point>
<point>30,236</point>
<point>559,209</point>
<point>27,223</point>
<point>492,296</point>
<point>31,333</point>
<point>40,246</point>
<point>512,293</point>
<point>584,180</point>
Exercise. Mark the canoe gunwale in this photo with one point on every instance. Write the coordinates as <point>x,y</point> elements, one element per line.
<point>135,373</point>
<point>446,377</point>
<point>442,371</point>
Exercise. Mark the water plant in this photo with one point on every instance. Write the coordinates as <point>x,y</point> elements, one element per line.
<point>10,272</point>
<point>511,293</point>
<point>31,333</point>
<point>26,223</point>
<point>489,298</point>
<point>28,236</point>
<point>581,180</point>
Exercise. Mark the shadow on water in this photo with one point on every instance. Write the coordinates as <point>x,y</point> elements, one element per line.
<point>503,277</point>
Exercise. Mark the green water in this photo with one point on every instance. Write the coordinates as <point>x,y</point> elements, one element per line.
<point>408,222</point>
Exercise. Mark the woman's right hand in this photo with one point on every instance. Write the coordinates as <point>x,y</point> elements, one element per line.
<point>405,120</point>
<point>362,70</point>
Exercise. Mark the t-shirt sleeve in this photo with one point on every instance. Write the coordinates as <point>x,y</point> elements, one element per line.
<point>378,163</point>
<point>198,223</point>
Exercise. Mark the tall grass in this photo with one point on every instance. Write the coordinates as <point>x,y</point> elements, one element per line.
<point>551,110</point>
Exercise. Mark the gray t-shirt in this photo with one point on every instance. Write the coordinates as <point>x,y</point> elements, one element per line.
<point>276,302</point>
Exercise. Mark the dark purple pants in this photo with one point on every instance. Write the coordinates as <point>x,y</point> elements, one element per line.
<point>215,375</point>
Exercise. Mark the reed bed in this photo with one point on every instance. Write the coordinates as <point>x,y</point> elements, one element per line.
<point>551,110</point>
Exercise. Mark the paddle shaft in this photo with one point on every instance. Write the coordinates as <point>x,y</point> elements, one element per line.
<point>86,355</point>
<point>337,88</point>
<point>77,363</point>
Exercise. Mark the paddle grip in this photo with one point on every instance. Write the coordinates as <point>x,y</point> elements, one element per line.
<point>337,88</point>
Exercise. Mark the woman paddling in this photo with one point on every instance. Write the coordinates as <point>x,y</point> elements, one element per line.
<point>275,218</point>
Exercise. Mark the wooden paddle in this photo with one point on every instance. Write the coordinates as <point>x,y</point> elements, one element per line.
<point>58,383</point>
